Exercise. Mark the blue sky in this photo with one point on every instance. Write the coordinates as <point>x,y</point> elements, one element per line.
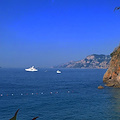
<point>45,33</point>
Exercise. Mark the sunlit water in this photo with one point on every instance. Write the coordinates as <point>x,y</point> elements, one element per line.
<point>71,95</point>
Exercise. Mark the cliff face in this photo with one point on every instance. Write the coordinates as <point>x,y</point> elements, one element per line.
<point>112,75</point>
<point>91,61</point>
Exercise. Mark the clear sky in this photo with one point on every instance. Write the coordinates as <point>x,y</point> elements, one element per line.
<point>45,33</point>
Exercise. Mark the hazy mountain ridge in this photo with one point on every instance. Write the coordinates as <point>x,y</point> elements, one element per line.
<point>91,61</point>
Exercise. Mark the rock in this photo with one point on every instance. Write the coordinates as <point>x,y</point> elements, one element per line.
<point>112,75</point>
<point>100,87</point>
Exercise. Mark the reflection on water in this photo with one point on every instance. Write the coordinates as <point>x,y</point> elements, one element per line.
<point>114,100</point>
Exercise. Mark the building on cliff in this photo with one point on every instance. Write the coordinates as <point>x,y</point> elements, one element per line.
<point>112,75</point>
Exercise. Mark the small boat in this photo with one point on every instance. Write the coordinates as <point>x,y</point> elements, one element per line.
<point>31,69</point>
<point>58,71</point>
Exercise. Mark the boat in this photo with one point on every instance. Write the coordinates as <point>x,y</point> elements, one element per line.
<point>31,69</point>
<point>58,71</point>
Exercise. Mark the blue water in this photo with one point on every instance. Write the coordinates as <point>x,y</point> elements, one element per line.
<point>71,95</point>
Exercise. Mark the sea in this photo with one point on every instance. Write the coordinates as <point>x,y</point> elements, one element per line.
<point>71,95</point>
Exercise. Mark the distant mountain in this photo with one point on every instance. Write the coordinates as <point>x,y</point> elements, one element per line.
<point>91,61</point>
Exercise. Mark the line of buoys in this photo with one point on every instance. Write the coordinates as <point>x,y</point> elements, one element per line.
<point>25,94</point>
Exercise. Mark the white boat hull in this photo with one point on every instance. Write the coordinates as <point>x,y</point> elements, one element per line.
<point>58,71</point>
<point>32,69</point>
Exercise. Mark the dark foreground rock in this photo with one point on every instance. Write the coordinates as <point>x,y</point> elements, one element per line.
<point>112,75</point>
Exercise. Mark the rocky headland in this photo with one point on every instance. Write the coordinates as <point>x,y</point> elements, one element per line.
<point>90,62</point>
<point>112,75</point>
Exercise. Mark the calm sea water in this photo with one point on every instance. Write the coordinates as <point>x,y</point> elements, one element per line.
<point>71,95</point>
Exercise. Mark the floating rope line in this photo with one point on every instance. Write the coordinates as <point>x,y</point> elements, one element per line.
<point>26,94</point>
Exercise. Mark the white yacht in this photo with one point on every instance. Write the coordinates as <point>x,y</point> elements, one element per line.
<point>31,69</point>
<point>58,71</point>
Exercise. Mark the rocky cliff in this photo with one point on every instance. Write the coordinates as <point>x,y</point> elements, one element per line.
<point>112,75</point>
<point>91,61</point>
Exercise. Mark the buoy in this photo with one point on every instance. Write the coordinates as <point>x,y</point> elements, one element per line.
<point>68,91</point>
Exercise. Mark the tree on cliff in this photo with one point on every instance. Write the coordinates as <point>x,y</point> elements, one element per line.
<point>115,51</point>
<point>117,8</point>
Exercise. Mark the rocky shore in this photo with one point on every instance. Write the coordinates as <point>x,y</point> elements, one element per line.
<point>112,75</point>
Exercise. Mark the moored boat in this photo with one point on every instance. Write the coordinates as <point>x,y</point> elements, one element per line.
<point>31,69</point>
<point>58,71</point>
